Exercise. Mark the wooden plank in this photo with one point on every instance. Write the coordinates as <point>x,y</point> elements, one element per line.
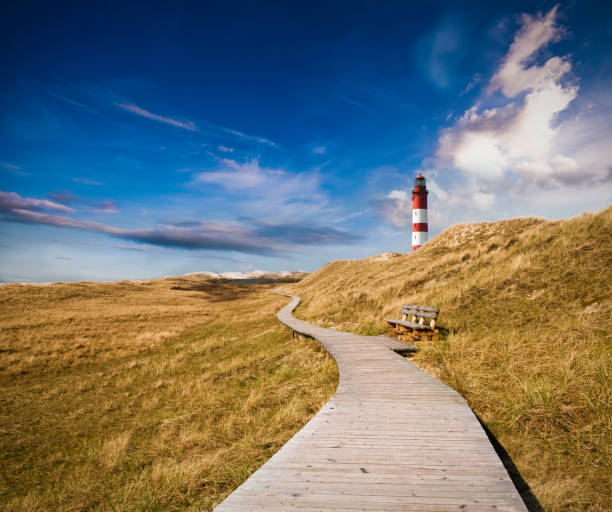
<point>391,438</point>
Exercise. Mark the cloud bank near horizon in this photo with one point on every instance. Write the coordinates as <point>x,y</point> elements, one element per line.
<point>247,236</point>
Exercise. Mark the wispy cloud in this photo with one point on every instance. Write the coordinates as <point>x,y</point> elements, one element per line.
<point>11,202</point>
<point>10,167</point>
<point>355,103</point>
<point>255,237</point>
<point>261,140</point>
<point>137,248</point>
<point>353,215</point>
<point>139,111</point>
<point>104,207</point>
<point>305,234</point>
<point>319,150</point>
<point>234,175</point>
<point>87,181</point>
<point>63,197</point>
<point>514,74</point>
<point>472,84</point>
<point>73,102</point>
<point>395,208</point>
<point>265,191</point>
<point>15,170</point>
<point>193,127</point>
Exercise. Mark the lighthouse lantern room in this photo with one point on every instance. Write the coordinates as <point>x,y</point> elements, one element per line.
<point>419,213</point>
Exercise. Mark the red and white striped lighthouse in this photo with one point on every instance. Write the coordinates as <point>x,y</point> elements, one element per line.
<point>419,212</point>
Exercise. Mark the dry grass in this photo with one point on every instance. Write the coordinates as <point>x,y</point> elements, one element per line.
<point>157,395</point>
<point>527,305</point>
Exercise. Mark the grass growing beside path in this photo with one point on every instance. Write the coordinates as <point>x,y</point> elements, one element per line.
<point>157,395</point>
<point>528,306</point>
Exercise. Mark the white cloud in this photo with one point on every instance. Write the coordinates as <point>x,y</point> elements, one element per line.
<point>482,200</point>
<point>319,150</point>
<point>513,77</point>
<point>478,153</point>
<point>267,191</point>
<point>519,136</point>
<point>105,207</point>
<point>504,159</point>
<point>396,208</point>
<point>435,189</point>
<point>11,201</point>
<point>565,164</point>
<point>401,195</point>
<point>236,176</point>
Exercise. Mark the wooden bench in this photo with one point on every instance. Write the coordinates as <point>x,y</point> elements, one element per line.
<point>418,323</point>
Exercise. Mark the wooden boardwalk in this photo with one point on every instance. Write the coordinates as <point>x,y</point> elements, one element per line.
<point>391,438</point>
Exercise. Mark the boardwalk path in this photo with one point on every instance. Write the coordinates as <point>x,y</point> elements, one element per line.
<point>391,438</point>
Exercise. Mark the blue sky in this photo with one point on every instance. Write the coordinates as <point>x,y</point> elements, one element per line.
<point>140,140</point>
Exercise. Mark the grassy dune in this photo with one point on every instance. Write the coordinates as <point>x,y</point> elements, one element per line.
<point>527,305</point>
<point>156,395</point>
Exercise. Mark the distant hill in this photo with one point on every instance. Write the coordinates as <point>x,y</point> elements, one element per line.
<point>256,276</point>
<point>526,305</point>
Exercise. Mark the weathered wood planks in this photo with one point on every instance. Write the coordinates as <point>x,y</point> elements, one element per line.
<point>391,438</point>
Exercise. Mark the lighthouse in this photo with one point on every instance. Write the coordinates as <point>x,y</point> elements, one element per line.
<point>419,212</point>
